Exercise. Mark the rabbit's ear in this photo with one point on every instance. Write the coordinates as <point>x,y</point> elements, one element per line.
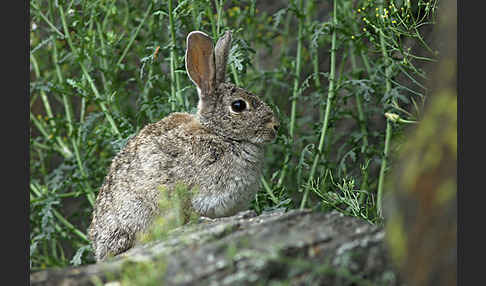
<point>200,62</point>
<point>221,53</point>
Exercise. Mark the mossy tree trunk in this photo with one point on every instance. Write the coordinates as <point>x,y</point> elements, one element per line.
<point>422,203</point>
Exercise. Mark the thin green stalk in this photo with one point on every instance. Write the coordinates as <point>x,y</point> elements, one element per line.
<point>71,227</point>
<point>330,96</point>
<point>58,215</point>
<point>315,66</point>
<point>82,114</point>
<point>359,104</point>
<point>86,74</point>
<point>89,190</point>
<point>383,168</point>
<point>102,104</point>
<point>269,190</point>
<point>219,8</point>
<point>175,85</point>
<point>361,121</point>
<point>341,68</point>
<point>45,100</point>
<point>209,12</point>
<point>298,64</point>
<point>42,162</point>
<point>63,148</point>
<point>314,54</point>
<point>295,93</point>
<point>365,63</point>
<point>286,35</point>
<point>65,99</point>
<point>388,125</point>
<point>103,61</point>
<point>39,126</point>
<point>132,38</point>
<point>194,14</point>
<point>235,74</point>
<point>317,82</point>
<point>45,19</point>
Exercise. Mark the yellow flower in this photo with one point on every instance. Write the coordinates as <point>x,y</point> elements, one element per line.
<point>364,29</point>
<point>392,116</point>
<point>359,10</point>
<point>352,37</point>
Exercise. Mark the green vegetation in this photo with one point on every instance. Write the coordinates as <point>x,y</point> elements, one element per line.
<point>101,70</point>
<point>175,211</point>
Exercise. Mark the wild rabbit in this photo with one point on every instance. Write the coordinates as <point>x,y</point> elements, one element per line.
<point>219,151</point>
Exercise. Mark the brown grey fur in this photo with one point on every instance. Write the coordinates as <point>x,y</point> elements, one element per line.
<point>221,55</point>
<point>218,151</point>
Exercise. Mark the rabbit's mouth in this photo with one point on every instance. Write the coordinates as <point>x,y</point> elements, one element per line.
<point>272,126</point>
<point>265,136</point>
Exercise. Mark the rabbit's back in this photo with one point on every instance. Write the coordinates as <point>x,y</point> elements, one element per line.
<point>176,149</point>
<point>128,198</point>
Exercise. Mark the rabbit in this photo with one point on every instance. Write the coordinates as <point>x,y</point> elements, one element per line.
<point>218,150</point>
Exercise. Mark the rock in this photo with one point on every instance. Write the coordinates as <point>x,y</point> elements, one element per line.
<point>297,247</point>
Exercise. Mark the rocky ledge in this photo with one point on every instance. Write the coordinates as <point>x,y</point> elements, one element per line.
<point>295,247</point>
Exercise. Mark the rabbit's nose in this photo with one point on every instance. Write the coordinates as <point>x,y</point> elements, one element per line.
<point>276,126</point>
<point>273,124</point>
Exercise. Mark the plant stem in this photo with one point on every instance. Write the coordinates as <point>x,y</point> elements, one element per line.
<point>175,85</point>
<point>63,148</point>
<point>295,93</point>
<point>212,21</point>
<point>388,125</point>
<point>359,104</point>
<point>330,97</point>
<point>314,51</point>
<point>235,74</point>
<point>383,168</point>
<point>86,74</point>
<point>64,221</point>
<point>269,190</point>
<point>103,61</point>
<point>219,8</point>
<point>90,196</point>
<point>361,120</point>
<point>298,63</point>
<point>132,38</point>
<point>65,99</point>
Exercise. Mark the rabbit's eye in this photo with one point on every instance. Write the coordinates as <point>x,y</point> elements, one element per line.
<point>238,105</point>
